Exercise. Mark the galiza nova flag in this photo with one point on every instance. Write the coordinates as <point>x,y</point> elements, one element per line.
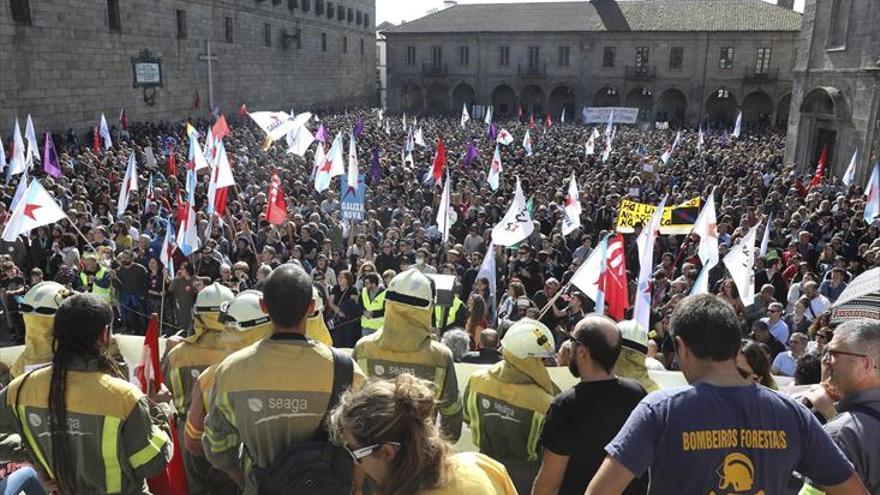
<point>129,184</point>
<point>18,162</point>
<point>36,209</point>
<point>872,196</point>
<point>572,209</point>
<point>516,224</point>
<point>276,125</point>
<point>31,136</point>
<point>495,170</point>
<point>504,137</point>
<point>299,140</point>
<point>465,116</point>
<point>444,220</point>
<point>740,262</point>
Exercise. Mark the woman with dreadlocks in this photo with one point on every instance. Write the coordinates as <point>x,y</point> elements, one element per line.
<point>79,421</point>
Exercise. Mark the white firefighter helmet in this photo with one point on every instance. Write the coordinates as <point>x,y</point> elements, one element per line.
<point>45,298</point>
<point>528,338</point>
<point>412,288</point>
<point>244,312</point>
<point>211,298</point>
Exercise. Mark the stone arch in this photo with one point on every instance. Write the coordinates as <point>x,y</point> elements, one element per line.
<point>606,97</point>
<point>463,93</point>
<point>757,108</point>
<point>824,101</point>
<point>643,99</point>
<point>671,106</point>
<point>412,99</point>
<point>503,100</point>
<point>438,98</point>
<point>721,107</point>
<point>562,97</point>
<point>782,111</point>
<point>532,98</point>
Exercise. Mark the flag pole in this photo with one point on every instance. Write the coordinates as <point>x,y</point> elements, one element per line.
<point>554,298</point>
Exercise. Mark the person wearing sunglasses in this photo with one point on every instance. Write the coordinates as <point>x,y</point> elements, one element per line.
<point>722,433</point>
<point>389,431</point>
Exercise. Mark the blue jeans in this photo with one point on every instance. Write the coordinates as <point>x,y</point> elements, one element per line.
<point>22,480</point>
<point>135,323</point>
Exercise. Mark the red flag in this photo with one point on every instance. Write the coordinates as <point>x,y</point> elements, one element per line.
<point>242,110</point>
<point>439,160</point>
<point>532,121</point>
<point>96,142</point>
<point>276,208</point>
<point>123,120</point>
<point>198,101</point>
<point>614,283</point>
<point>172,163</point>
<point>181,209</point>
<point>172,481</point>
<point>547,120</point>
<point>220,128</point>
<point>820,170</point>
<point>220,198</point>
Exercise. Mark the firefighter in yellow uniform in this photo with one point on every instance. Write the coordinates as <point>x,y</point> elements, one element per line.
<point>373,303</point>
<point>633,351</point>
<point>245,323</point>
<point>316,327</point>
<point>505,405</point>
<point>110,443</point>
<point>273,394</point>
<point>454,316</point>
<point>186,361</point>
<point>406,344</point>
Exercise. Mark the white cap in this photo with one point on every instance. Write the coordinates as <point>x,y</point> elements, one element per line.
<point>411,287</point>
<point>528,338</point>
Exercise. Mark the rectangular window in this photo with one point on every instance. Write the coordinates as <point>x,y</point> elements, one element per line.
<point>726,59</point>
<point>331,10</point>
<point>564,56</point>
<point>359,18</point>
<point>762,61</point>
<point>319,7</point>
<point>350,15</point>
<point>608,56</point>
<point>367,21</point>
<point>229,30</point>
<point>410,55</point>
<point>362,47</point>
<point>114,17</point>
<point>345,44</point>
<point>837,30</point>
<point>464,55</point>
<point>340,13</point>
<point>534,57</point>
<point>267,34</point>
<point>181,24</point>
<point>323,42</point>
<point>436,57</point>
<point>21,11</point>
<point>307,5</point>
<point>676,57</point>
<point>642,54</point>
<point>503,55</point>
<point>292,4</point>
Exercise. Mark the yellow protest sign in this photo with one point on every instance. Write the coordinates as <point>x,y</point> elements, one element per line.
<point>678,219</point>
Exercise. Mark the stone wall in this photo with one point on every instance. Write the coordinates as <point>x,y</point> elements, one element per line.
<point>67,67</point>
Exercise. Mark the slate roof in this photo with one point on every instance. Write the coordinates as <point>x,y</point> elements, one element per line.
<point>608,15</point>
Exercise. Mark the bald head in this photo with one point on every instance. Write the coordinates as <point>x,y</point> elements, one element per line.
<point>489,338</point>
<point>600,335</point>
<point>287,295</point>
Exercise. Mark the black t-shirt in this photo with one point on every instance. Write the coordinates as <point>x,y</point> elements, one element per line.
<point>580,423</point>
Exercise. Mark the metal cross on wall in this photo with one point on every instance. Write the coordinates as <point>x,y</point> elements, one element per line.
<point>207,57</point>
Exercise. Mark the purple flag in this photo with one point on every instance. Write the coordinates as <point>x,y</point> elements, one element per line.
<point>492,132</point>
<point>321,135</point>
<point>358,127</point>
<point>471,154</point>
<point>375,169</point>
<point>50,158</point>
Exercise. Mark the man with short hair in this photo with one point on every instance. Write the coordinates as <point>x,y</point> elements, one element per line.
<point>774,322</point>
<point>761,334</point>
<point>818,302</point>
<point>584,418</point>
<point>832,289</point>
<point>785,362</point>
<point>722,433</point>
<point>851,363</point>
<point>488,353</point>
<point>759,308</point>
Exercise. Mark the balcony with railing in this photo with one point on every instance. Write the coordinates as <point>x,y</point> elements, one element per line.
<point>758,76</point>
<point>435,70</point>
<point>530,71</point>
<point>641,72</point>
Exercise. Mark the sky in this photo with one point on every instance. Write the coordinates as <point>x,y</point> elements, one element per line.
<point>397,11</point>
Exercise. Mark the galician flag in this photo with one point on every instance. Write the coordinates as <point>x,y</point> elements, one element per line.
<point>195,156</point>
<point>419,138</point>
<point>645,241</point>
<point>765,240</point>
<point>18,162</point>
<point>740,262</point>
<point>706,227</point>
<point>444,220</point>
<point>330,165</point>
<point>495,170</point>
<point>353,172</point>
<point>149,196</point>
<point>36,209</point>
<point>166,257</point>
<point>872,196</point>
<point>850,175</point>
<point>488,118</point>
<point>668,153</point>
<point>572,219</point>
<point>527,143</point>
<point>504,137</point>
<point>221,178</point>
<point>129,184</point>
<point>700,140</point>
<point>465,116</point>
<point>105,133</point>
<point>2,156</point>
<point>516,224</point>
<point>187,235</point>
<point>737,128</point>
<point>590,147</point>
<point>487,270</point>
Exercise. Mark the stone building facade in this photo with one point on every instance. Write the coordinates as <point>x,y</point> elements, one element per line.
<point>682,60</point>
<point>836,91</point>
<point>67,61</point>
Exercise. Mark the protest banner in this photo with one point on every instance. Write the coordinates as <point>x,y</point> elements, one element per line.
<point>352,204</point>
<point>678,219</point>
<point>622,115</point>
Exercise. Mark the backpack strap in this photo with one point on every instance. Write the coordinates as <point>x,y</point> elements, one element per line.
<point>865,410</point>
<point>343,376</point>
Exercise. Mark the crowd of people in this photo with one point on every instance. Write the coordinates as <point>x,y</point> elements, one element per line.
<point>275,289</point>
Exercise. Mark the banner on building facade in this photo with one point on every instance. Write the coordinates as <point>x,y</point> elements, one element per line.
<point>622,115</point>
<point>677,220</point>
<point>352,204</point>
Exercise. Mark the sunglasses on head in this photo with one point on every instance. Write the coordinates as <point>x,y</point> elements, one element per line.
<point>358,454</point>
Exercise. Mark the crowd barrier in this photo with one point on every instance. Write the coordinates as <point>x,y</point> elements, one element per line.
<point>131,347</point>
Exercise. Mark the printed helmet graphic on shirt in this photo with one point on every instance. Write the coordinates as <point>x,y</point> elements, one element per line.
<point>737,474</point>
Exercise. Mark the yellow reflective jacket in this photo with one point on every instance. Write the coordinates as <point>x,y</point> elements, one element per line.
<point>114,446</point>
<point>376,306</point>
<point>186,361</point>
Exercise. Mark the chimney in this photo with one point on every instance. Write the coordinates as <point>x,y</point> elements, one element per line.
<point>786,4</point>
<point>449,3</point>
